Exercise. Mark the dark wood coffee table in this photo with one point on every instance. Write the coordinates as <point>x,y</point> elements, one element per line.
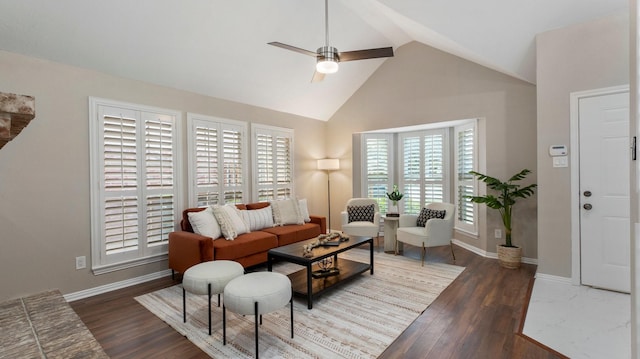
<point>304,284</point>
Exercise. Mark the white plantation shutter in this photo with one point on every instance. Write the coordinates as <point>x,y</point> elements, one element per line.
<point>377,167</point>
<point>233,170</point>
<point>206,165</point>
<point>273,162</point>
<point>411,164</point>
<point>465,147</point>
<point>160,177</point>
<point>434,167</point>
<point>133,186</point>
<point>423,163</point>
<point>120,168</point>
<point>217,161</point>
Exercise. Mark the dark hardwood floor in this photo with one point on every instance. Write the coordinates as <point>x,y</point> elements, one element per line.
<point>480,315</point>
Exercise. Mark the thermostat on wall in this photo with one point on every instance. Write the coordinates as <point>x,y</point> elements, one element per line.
<point>558,150</point>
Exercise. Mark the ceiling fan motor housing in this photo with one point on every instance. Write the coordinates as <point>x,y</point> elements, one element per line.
<point>327,60</point>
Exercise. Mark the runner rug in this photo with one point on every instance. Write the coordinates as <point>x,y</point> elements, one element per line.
<point>357,319</point>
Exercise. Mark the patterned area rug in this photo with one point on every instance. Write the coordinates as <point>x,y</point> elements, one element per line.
<point>358,319</point>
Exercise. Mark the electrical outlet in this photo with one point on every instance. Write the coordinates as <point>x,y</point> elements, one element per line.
<point>498,233</point>
<point>81,262</point>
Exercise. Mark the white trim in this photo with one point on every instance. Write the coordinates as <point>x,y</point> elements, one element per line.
<point>574,153</point>
<point>554,278</point>
<point>108,268</point>
<point>492,255</point>
<point>115,286</point>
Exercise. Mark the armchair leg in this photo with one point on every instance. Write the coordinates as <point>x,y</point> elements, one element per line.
<point>452,254</point>
<point>424,252</point>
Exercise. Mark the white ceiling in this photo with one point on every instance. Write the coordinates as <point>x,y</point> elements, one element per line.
<point>219,47</point>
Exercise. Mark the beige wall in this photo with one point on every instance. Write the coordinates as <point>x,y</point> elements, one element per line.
<point>424,85</point>
<point>44,172</point>
<point>582,57</point>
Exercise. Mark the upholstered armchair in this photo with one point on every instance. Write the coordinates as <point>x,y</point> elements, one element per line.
<point>361,217</point>
<point>437,230</point>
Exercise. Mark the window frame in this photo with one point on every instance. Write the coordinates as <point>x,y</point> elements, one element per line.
<point>220,124</point>
<point>382,201</point>
<point>260,129</point>
<point>423,181</point>
<point>471,228</point>
<point>101,262</point>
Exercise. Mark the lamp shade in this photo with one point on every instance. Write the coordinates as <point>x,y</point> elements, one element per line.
<point>329,164</point>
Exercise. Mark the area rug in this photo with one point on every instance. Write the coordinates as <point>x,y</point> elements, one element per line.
<point>357,319</point>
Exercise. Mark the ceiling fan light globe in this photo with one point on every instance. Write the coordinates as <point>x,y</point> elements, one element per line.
<point>327,66</point>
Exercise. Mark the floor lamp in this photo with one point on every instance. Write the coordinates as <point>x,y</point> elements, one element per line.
<point>329,164</point>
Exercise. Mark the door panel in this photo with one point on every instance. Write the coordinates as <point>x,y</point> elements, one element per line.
<point>604,172</point>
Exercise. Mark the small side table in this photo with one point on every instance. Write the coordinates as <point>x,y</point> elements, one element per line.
<point>390,227</point>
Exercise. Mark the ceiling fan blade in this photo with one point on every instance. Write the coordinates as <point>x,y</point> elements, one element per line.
<point>317,76</point>
<point>293,48</point>
<point>366,54</point>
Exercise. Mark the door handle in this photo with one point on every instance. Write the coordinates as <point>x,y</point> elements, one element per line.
<point>587,206</point>
<point>587,193</point>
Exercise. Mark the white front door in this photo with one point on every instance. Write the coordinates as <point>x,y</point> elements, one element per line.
<point>604,191</point>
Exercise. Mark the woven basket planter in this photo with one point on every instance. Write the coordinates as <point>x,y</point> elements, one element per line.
<point>509,257</point>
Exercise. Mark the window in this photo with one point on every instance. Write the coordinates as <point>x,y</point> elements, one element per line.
<point>424,168</point>
<point>133,183</point>
<point>217,161</point>
<point>272,162</point>
<point>377,167</point>
<point>431,167</point>
<point>465,183</point>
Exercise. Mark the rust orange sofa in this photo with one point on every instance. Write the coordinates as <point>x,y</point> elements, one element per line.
<point>187,248</point>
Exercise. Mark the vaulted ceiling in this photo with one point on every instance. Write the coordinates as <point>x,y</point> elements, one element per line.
<point>219,47</point>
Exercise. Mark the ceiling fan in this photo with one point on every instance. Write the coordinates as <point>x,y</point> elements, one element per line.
<point>328,57</point>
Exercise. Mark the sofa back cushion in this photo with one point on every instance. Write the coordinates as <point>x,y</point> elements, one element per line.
<point>205,223</point>
<point>258,219</point>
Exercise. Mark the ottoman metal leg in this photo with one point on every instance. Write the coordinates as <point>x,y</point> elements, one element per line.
<point>184,306</point>
<point>209,286</point>
<point>224,325</point>
<point>257,329</point>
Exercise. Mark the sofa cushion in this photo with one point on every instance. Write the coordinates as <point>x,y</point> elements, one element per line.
<point>244,245</point>
<point>286,211</point>
<point>257,219</point>
<point>304,210</point>
<point>426,214</point>
<point>230,220</point>
<point>294,232</point>
<point>205,223</point>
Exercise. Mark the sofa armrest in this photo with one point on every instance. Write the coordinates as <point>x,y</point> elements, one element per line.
<point>408,220</point>
<point>439,231</point>
<point>187,249</point>
<point>321,221</point>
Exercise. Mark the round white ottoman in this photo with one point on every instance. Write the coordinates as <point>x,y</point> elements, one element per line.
<point>208,278</point>
<point>256,293</point>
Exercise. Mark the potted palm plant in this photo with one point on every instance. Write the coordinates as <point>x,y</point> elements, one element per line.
<point>508,192</point>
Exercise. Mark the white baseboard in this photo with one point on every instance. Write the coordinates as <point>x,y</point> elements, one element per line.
<point>554,278</point>
<point>486,254</point>
<point>117,285</point>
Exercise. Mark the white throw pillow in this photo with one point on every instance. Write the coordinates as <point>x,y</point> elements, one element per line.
<point>230,220</point>
<point>286,211</point>
<point>304,210</point>
<point>258,219</point>
<point>204,223</point>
